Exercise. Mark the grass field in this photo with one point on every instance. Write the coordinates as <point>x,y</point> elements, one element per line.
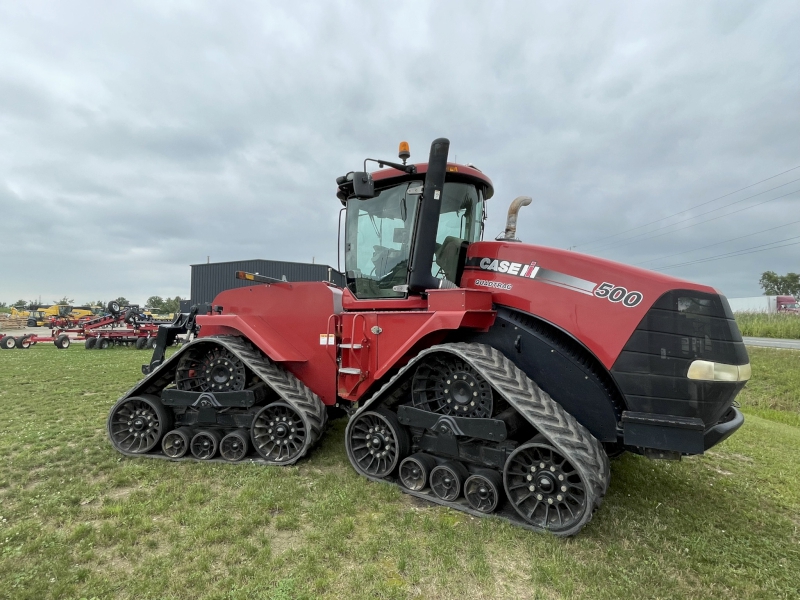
<point>785,326</point>
<point>80,521</point>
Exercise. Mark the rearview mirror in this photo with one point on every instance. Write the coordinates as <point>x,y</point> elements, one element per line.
<point>363,185</point>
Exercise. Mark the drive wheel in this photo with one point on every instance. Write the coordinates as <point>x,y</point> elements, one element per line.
<point>447,385</point>
<point>547,490</point>
<point>415,469</point>
<point>210,369</point>
<point>234,446</point>
<point>176,443</point>
<point>447,479</point>
<point>136,424</point>
<point>90,343</point>
<point>482,490</point>
<point>279,432</point>
<point>376,443</point>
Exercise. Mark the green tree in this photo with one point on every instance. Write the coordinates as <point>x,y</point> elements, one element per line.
<point>172,305</point>
<point>122,301</point>
<point>156,303</point>
<point>20,304</point>
<point>64,300</point>
<point>778,285</point>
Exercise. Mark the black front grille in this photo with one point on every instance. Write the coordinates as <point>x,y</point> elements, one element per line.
<point>682,326</point>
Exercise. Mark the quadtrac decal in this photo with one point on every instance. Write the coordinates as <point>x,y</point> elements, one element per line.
<point>614,293</point>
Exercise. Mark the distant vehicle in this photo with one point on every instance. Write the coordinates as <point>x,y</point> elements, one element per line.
<point>765,304</point>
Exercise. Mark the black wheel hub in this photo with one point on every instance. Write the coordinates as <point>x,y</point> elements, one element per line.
<point>210,369</point>
<point>450,386</point>
<point>278,432</point>
<point>375,443</point>
<point>544,487</point>
<point>135,426</point>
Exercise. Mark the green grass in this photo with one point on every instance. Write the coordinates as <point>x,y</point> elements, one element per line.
<point>79,520</point>
<point>785,326</point>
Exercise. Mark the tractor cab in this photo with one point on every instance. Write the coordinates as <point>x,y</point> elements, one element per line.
<point>397,224</point>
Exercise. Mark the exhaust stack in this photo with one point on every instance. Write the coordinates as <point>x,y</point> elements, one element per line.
<point>510,234</point>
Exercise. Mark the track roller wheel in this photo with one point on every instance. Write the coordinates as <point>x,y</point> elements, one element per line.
<point>234,446</point>
<point>102,343</point>
<point>447,479</point>
<point>210,369</point>
<point>204,444</point>
<point>8,343</point>
<point>176,443</point>
<point>415,470</point>
<point>547,490</point>
<point>376,443</point>
<point>90,343</point>
<point>23,343</point>
<point>62,342</point>
<point>482,490</point>
<point>141,343</point>
<point>278,432</point>
<point>136,424</point>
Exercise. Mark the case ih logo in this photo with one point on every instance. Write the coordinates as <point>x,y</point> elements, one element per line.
<point>511,268</point>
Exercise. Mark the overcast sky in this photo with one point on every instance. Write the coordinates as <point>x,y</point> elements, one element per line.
<point>138,138</point>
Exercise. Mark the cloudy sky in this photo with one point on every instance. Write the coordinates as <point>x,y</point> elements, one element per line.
<point>138,138</point>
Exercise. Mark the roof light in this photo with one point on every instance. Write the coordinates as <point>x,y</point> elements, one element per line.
<point>404,152</point>
<point>705,370</point>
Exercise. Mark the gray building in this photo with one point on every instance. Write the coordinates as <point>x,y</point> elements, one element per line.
<point>210,279</point>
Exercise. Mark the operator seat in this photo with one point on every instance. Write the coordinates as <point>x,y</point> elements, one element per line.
<point>447,257</point>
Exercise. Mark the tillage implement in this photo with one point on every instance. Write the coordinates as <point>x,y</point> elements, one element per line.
<point>493,377</point>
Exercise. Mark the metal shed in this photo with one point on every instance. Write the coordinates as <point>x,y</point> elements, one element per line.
<point>209,279</point>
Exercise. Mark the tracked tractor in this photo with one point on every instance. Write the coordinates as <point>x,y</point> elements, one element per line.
<point>493,377</point>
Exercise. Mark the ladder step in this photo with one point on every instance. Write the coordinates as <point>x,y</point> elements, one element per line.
<point>353,346</point>
<point>350,371</point>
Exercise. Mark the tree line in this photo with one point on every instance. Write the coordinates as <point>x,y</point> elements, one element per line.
<point>780,285</point>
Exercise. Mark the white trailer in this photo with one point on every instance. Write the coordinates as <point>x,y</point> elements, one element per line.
<point>764,304</point>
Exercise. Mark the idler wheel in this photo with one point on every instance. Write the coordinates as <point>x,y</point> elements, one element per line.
<point>278,432</point>
<point>447,479</point>
<point>376,442</point>
<point>176,443</point>
<point>210,369</point>
<point>205,443</point>
<point>234,446</point>
<point>482,490</point>
<point>136,424</point>
<point>449,386</point>
<point>546,489</point>
<point>415,469</point>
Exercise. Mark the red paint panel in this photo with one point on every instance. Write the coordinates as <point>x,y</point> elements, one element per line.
<point>285,321</point>
<point>563,290</point>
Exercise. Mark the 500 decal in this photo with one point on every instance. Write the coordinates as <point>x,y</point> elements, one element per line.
<point>616,293</point>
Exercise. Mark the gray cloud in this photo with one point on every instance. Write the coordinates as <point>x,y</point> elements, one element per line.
<point>141,138</point>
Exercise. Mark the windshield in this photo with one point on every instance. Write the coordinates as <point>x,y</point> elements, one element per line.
<point>379,241</point>
<point>379,234</point>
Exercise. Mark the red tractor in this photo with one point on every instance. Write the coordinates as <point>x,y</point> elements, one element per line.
<point>493,377</point>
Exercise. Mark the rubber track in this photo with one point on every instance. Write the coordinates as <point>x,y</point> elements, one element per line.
<point>290,389</point>
<point>559,427</point>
